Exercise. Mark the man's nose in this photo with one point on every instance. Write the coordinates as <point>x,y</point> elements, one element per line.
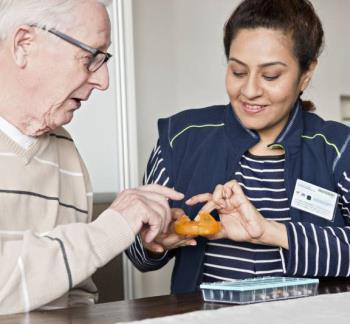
<point>100,78</point>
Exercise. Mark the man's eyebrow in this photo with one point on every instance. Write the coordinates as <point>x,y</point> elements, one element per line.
<point>232,59</point>
<point>103,47</point>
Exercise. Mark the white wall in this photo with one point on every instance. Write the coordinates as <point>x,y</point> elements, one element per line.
<point>95,133</point>
<point>180,63</point>
<point>104,129</point>
<point>332,77</point>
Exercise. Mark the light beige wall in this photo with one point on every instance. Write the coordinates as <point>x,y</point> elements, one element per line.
<point>180,64</point>
<point>332,77</point>
<point>95,133</point>
<point>179,60</point>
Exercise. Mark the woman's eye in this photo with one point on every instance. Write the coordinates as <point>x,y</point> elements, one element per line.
<point>270,77</point>
<point>239,74</point>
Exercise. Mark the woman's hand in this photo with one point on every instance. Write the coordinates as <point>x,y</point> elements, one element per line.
<point>240,220</point>
<point>169,240</point>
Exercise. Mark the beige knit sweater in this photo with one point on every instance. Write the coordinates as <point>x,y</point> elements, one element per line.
<point>47,248</point>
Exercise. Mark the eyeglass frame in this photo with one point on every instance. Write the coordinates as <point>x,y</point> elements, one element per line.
<point>93,51</point>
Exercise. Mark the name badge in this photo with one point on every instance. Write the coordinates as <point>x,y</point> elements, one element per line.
<point>314,200</point>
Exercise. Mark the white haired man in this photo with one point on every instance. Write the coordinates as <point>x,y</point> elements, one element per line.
<point>52,56</point>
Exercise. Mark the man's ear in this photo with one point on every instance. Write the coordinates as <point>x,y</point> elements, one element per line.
<point>23,38</point>
<point>306,77</point>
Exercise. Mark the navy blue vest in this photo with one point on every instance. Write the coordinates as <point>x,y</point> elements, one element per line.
<point>202,147</point>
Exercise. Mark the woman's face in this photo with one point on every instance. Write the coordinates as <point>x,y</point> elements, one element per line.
<point>263,79</point>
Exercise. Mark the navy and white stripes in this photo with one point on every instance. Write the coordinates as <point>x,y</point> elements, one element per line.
<point>140,258</point>
<point>263,183</point>
<point>317,251</point>
<point>313,250</point>
<point>320,251</point>
<point>156,172</point>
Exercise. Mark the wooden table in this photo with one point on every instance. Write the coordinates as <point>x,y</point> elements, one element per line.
<point>130,310</point>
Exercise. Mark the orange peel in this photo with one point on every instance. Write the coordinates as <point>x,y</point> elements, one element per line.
<point>205,224</point>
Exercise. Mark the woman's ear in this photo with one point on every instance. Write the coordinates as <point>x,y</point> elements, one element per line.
<point>22,42</point>
<point>306,77</point>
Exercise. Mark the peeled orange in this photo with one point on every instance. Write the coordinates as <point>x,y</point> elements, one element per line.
<point>205,224</point>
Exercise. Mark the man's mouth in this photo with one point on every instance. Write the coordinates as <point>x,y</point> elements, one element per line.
<point>77,101</point>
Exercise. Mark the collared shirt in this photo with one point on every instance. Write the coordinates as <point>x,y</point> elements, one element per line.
<point>15,134</point>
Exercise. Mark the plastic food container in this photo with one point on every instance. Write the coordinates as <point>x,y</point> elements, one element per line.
<point>256,290</point>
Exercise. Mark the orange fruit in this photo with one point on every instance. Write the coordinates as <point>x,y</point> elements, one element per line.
<point>204,225</point>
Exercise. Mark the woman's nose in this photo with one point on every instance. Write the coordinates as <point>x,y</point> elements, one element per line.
<point>251,88</point>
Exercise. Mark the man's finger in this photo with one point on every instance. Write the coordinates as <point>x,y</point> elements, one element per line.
<point>160,206</point>
<point>164,191</point>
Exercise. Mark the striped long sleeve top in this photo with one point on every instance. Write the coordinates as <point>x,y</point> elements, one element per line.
<point>314,251</point>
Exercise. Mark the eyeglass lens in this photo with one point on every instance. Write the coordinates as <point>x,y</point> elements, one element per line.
<point>97,61</point>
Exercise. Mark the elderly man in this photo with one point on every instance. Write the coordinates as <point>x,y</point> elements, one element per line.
<point>52,56</point>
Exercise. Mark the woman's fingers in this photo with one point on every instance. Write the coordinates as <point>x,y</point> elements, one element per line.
<point>222,234</point>
<point>209,207</point>
<point>213,201</point>
<point>154,247</point>
<point>237,195</point>
<point>201,198</point>
<point>150,246</point>
<point>172,241</point>
<point>176,213</point>
<point>218,196</point>
<point>204,197</point>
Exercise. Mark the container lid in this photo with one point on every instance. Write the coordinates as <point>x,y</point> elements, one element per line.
<point>258,283</point>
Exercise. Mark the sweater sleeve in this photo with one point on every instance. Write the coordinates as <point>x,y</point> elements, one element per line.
<point>320,251</point>
<point>36,270</point>
<point>155,173</point>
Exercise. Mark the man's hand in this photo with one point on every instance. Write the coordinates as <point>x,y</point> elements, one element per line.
<point>146,205</point>
<point>169,240</point>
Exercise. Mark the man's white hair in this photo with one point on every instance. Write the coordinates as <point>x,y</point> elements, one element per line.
<point>49,13</point>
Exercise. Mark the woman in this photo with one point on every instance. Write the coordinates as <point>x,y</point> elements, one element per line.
<point>259,145</point>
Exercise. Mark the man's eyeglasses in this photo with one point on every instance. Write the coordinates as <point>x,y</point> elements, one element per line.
<point>98,57</point>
